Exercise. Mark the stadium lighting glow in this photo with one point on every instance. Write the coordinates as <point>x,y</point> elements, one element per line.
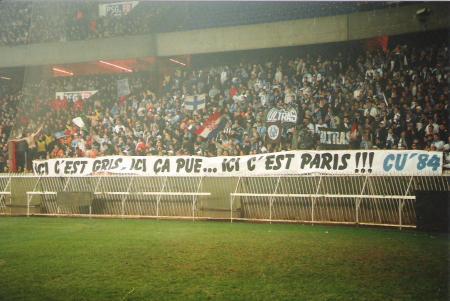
<point>4,77</point>
<point>177,62</point>
<point>116,66</point>
<point>62,71</point>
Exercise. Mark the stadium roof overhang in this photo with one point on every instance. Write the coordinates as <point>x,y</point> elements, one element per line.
<point>104,67</point>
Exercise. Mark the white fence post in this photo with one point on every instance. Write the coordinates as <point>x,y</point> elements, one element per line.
<point>194,199</point>
<point>271,200</point>
<point>28,205</point>
<point>402,203</point>
<point>95,193</point>
<point>231,208</point>
<point>29,197</point>
<point>158,199</point>
<point>67,184</point>
<point>313,200</point>
<point>358,200</point>
<point>4,193</point>
<point>232,200</point>
<point>125,197</point>
<point>10,196</point>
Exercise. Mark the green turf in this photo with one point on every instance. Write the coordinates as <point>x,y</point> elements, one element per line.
<point>82,259</point>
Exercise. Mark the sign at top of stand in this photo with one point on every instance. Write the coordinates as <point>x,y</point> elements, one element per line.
<point>116,9</point>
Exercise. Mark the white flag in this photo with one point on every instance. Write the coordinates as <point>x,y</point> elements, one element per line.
<point>123,88</point>
<point>78,121</point>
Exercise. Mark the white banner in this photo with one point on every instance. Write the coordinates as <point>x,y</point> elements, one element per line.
<point>123,87</point>
<point>116,9</point>
<point>75,95</point>
<point>380,162</point>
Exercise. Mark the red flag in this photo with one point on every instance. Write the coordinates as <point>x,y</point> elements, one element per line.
<point>210,125</point>
<point>93,25</point>
<point>122,100</point>
<point>79,15</point>
<point>377,42</point>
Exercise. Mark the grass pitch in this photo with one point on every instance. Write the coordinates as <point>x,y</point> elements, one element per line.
<point>82,259</point>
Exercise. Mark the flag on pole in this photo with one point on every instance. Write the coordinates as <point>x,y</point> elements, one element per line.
<point>195,102</point>
<point>384,97</point>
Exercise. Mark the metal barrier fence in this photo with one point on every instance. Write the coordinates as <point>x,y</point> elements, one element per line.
<point>371,200</point>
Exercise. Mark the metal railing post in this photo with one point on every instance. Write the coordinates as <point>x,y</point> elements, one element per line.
<point>194,199</point>
<point>158,200</point>
<point>29,197</point>
<point>358,200</point>
<point>28,205</point>
<point>95,193</point>
<point>401,203</point>
<point>313,200</point>
<point>271,200</point>
<point>67,184</point>
<point>125,197</point>
<point>231,208</point>
<point>10,195</point>
<point>3,196</point>
<point>232,200</point>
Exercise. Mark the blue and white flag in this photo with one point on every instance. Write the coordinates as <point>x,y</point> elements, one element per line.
<point>59,135</point>
<point>195,102</point>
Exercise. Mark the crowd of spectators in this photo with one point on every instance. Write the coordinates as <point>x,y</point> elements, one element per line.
<point>23,22</point>
<point>386,100</point>
<point>15,22</point>
<point>9,98</point>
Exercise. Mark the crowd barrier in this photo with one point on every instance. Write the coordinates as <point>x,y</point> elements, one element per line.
<point>357,199</point>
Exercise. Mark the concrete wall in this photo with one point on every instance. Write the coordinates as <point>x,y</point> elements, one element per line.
<point>78,51</point>
<point>268,35</point>
<point>397,21</point>
<point>390,21</point>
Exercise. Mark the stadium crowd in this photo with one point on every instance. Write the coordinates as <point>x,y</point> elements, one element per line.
<point>385,100</point>
<point>8,104</point>
<point>23,22</point>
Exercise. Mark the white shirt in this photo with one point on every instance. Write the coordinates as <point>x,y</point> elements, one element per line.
<point>264,98</point>
<point>118,127</point>
<point>438,144</point>
<point>223,77</point>
<point>435,128</point>
<point>278,76</point>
